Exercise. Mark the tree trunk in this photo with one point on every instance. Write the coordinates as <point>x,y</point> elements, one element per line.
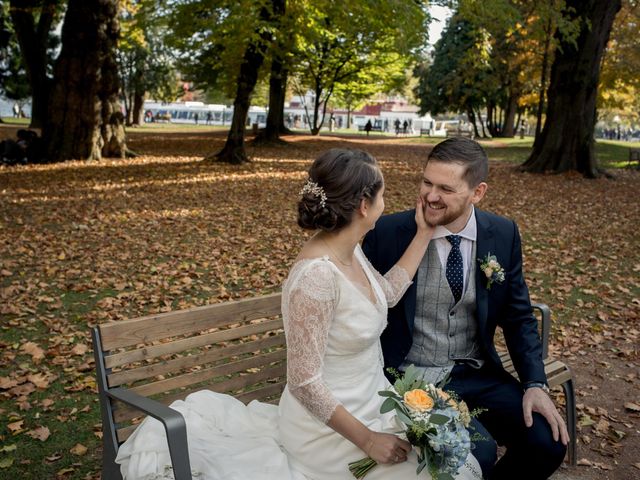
<point>127,104</point>
<point>500,122</point>
<point>33,40</point>
<point>471,116</point>
<point>566,141</point>
<point>138,104</point>
<point>234,149</point>
<point>275,117</point>
<point>543,80</point>
<point>284,130</point>
<point>484,132</point>
<point>491,119</point>
<point>478,116</point>
<point>508,125</point>
<point>84,120</point>
<point>277,87</point>
<point>315,128</point>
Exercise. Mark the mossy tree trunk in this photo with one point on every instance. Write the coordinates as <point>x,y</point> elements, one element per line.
<point>84,120</point>
<point>566,141</point>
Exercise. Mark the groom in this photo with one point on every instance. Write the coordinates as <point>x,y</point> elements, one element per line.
<point>445,323</point>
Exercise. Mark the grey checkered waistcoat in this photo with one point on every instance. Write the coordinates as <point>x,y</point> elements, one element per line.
<point>443,331</point>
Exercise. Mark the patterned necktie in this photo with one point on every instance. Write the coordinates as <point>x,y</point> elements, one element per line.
<point>455,271</point>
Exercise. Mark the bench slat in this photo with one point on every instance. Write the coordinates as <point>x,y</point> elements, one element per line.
<point>123,433</point>
<point>154,327</point>
<point>187,379</point>
<point>176,346</point>
<point>557,372</point>
<point>182,363</point>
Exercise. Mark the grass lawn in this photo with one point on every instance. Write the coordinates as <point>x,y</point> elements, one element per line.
<point>16,121</point>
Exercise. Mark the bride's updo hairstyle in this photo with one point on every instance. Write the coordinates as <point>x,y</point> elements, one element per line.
<point>338,180</point>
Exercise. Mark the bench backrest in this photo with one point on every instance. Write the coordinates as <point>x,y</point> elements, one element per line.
<point>234,347</point>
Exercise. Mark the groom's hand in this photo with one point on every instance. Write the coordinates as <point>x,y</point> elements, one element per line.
<point>536,400</point>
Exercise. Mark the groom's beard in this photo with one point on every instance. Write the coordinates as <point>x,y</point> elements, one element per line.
<point>443,216</point>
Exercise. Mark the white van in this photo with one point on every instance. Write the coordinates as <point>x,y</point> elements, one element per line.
<point>442,126</point>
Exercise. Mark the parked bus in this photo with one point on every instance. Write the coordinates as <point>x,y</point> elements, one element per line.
<point>200,113</point>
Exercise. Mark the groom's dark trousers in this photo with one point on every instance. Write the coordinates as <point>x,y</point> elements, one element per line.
<point>531,452</point>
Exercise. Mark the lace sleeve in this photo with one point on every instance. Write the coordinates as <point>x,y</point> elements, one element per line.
<point>308,305</point>
<point>394,283</point>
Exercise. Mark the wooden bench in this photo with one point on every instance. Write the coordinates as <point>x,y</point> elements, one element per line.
<point>236,347</point>
<point>376,128</point>
<point>460,133</point>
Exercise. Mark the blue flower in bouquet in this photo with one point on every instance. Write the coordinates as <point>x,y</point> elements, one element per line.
<point>450,443</point>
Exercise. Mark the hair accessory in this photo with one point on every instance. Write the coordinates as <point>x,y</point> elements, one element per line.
<point>316,190</point>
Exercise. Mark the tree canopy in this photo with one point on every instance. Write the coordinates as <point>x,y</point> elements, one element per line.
<point>14,83</point>
<point>619,92</point>
<point>493,62</point>
<point>352,46</point>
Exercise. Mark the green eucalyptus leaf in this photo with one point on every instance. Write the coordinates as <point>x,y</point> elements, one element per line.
<point>439,419</point>
<point>388,405</point>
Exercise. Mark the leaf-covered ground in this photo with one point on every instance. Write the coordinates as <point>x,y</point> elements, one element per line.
<point>84,243</point>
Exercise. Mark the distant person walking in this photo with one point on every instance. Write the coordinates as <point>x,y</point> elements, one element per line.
<point>195,117</point>
<point>16,110</point>
<point>209,118</point>
<point>367,127</point>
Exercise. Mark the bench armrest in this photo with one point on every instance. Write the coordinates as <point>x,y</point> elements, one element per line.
<point>546,326</point>
<point>174,425</point>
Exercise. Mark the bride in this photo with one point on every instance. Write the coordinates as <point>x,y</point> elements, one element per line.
<point>334,307</point>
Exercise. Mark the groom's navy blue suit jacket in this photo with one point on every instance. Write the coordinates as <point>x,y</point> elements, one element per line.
<point>506,304</point>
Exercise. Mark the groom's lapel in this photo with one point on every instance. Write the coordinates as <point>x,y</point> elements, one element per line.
<point>485,243</point>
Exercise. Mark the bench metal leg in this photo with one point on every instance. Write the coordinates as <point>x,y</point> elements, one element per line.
<point>178,447</point>
<point>570,405</point>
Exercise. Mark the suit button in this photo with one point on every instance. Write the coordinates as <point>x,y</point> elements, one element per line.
<point>452,313</point>
<point>451,334</point>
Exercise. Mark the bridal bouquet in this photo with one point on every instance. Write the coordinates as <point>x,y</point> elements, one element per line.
<point>435,424</point>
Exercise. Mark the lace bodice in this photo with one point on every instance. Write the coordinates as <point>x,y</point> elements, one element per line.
<point>309,301</point>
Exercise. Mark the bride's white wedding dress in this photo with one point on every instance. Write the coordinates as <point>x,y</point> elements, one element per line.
<point>334,357</point>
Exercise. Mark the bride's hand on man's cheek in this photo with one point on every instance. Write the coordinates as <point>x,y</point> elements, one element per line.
<point>421,221</point>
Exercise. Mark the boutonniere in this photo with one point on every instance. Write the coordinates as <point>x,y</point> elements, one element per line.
<point>492,270</point>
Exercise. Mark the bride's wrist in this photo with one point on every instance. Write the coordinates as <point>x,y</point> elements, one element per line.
<point>369,444</point>
<point>424,234</point>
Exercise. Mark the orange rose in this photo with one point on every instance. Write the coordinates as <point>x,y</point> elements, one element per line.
<point>418,400</point>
